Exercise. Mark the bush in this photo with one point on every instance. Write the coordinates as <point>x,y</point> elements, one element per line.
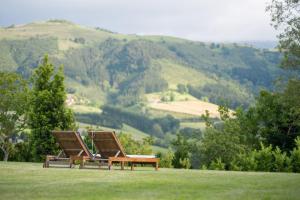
<point>217,164</point>
<point>132,146</point>
<point>244,162</point>
<point>295,156</point>
<point>181,156</point>
<point>22,152</point>
<point>166,159</point>
<point>185,163</point>
<point>282,163</point>
<point>264,158</point>
<point>267,159</point>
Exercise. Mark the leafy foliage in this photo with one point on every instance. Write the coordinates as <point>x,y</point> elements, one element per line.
<point>13,104</point>
<point>181,156</point>
<point>285,15</point>
<point>48,111</point>
<point>166,159</point>
<point>132,146</point>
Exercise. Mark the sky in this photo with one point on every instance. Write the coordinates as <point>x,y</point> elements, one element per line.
<point>202,20</point>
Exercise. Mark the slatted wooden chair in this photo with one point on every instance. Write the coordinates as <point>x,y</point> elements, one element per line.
<point>109,148</point>
<point>72,149</point>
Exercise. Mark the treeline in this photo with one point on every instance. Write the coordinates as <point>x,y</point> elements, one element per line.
<point>115,116</point>
<point>222,94</point>
<point>98,119</point>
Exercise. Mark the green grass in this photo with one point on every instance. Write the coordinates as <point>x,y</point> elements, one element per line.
<point>31,181</point>
<point>175,73</point>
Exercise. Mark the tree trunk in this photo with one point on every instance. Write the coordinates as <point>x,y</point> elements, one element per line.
<point>5,156</point>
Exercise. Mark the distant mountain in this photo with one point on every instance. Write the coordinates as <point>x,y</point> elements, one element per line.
<point>260,44</point>
<point>105,67</point>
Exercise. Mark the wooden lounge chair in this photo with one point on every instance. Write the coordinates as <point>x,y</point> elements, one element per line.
<point>72,149</point>
<point>109,147</point>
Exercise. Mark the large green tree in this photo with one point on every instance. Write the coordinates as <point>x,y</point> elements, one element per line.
<point>286,18</point>
<point>48,110</point>
<point>13,105</point>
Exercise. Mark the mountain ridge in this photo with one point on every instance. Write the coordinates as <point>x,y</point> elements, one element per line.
<point>106,67</point>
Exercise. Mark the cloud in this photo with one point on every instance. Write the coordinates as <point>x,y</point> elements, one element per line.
<point>205,20</point>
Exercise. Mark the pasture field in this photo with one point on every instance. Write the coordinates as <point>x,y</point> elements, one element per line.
<point>31,181</point>
<point>182,104</point>
<point>196,108</point>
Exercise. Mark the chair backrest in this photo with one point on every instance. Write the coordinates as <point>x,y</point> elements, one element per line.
<point>71,143</point>
<point>107,144</point>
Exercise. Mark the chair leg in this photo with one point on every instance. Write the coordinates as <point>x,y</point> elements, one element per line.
<point>132,167</point>
<point>71,162</point>
<point>46,163</point>
<point>122,165</point>
<point>109,165</point>
<point>82,162</point>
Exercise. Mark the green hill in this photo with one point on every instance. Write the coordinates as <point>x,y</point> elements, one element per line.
<point>106,68</point>
<point>123,67</point>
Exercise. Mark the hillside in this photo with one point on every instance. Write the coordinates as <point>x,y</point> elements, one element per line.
<point>116,62</point>
<point>106,68</point>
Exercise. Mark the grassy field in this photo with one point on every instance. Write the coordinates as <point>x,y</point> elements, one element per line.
<point>196,108</point>
<point>31,181</point>
<point>182,104</point>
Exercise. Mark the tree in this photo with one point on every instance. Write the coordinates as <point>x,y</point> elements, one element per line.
<point>181,157</point>
<point>166,159</point>
<point>132,146</point>
<point>279,116</point>
<point>13,104</point>
<point>222,144</point>
<point>48,111</point>
<point>286,16</point>
<point>181,88</point>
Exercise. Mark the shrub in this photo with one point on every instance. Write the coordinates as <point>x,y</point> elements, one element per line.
<point>217,164</point>
<point>185,163</point>
<point>132,146</point>
<point>282,163</point>
<point>295,156</point>
<point>244,162</point>
<point>166,159</point>
<point>264,158</point>
<point>181,156</point>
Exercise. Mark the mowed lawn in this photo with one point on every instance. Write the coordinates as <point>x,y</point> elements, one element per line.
<point>31,181</point>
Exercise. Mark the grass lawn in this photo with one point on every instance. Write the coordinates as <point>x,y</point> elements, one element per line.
<point>31,181</point>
